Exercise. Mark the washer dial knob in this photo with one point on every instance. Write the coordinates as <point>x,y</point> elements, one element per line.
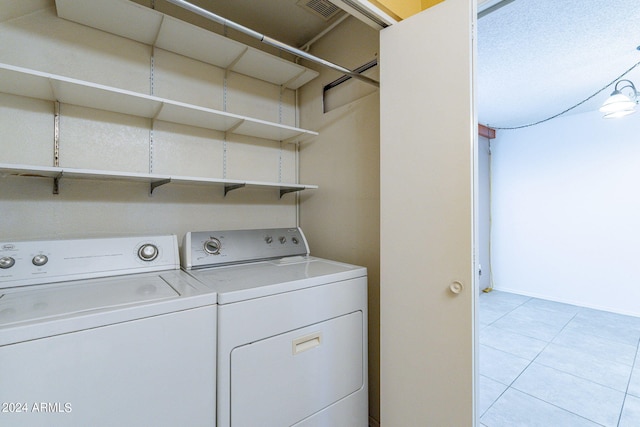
<point>39,260</point>
<point>283,240</point>
<point>148,252</point>
<point>212,246</point>
<point>7,262</point>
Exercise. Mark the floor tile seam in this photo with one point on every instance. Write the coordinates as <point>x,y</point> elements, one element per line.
<point>626,393</point>
<point>563,328</point>
<point>556,406</point>
<point>513,309</point>
<point>495,379</point>
<point>555,311</point>
<point>512,354</point>
<point>624,402</point>
<point>612,316</point>
<point>581,378</point>
<point>525,368</point>
<point>528,336</point>
<point>496,399</point>
<point>539,320</point>
<point>605,337</point>
<point>603,359</point>
<point>622,409</point>
<point>590,320</point>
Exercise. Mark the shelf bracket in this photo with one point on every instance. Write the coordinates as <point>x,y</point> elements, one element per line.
<point>56,183</point>
<point>233,128</point>
<point>286,84</point>
<point>231,187</point>
<point>157,184</point>
<point>285,190</point>
<point>234,62</point>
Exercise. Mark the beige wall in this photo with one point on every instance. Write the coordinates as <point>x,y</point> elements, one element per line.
<point>342,218</point>
<point>34,37</point>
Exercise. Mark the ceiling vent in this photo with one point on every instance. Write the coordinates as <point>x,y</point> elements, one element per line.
<point>322,8</point>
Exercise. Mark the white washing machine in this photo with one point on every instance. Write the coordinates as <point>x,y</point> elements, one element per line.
<point>292,329</point>
<point>104,332</point>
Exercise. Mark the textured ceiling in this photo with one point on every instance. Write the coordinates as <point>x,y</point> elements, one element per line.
<point>537,58</point>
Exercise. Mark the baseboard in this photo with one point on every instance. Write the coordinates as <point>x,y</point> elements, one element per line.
<point>373,422</point>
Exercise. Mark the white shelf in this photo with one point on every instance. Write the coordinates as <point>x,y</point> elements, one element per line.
<point>145,25</point>
<point>36,84</point>
<point>154,180</point>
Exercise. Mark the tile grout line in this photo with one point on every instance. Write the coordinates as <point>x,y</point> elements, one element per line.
<point>559,407</point>
<point>547,343</point>
<point>626,392</point>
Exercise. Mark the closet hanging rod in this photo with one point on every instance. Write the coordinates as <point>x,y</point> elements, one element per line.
<point>271,42</point>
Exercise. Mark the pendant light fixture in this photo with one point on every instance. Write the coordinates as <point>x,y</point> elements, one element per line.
<point>619,104</point>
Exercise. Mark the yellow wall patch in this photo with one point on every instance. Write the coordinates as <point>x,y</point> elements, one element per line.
<point>404,8</point>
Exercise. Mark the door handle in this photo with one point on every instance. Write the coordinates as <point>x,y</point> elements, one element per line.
<point>306,343</point>
<point>456,287</point>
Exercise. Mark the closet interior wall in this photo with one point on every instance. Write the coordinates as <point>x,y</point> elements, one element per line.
<point>344,161</point>
<point>34,37</point>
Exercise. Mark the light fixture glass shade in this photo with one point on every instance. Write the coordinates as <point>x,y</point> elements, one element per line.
<point>617,114</point>
<point>617,102</point>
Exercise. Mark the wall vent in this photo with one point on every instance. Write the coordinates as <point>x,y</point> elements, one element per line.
<point>321,8</point>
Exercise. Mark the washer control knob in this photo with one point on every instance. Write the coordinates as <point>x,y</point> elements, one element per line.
<point>268,239</point>
<point>295,240</point>
<point>39,260</point>
<point>212,246</point>
<point>7,262</point>
<point>283,240</point>
<point>148,252</point>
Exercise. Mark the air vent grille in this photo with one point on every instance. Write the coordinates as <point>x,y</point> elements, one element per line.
<point>321,8</point>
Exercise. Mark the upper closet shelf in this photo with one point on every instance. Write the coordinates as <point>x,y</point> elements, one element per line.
<point>145,25</point>
<point>36,84</point>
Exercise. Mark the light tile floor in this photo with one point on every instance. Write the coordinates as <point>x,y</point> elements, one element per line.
<point>548,364</point>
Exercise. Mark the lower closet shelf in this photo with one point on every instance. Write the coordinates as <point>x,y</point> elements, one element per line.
<point>154,180</point>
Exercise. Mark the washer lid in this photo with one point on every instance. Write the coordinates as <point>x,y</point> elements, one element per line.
<point>45,310</point>
<point>52,301</point>
<point>254,280</point>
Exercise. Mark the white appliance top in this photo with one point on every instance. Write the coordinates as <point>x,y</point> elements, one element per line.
<point>90,283</point>
<point>234,283</point>
<point>245,264</point>
<point>25,263</point>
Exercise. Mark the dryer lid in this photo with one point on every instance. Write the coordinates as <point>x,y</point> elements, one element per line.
<point>254,280</point>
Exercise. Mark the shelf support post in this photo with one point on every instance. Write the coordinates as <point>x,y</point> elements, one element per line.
<point>56,134</point>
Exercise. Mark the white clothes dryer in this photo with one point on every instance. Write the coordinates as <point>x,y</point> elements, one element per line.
<point>104,332</point>
<point>292,329</point>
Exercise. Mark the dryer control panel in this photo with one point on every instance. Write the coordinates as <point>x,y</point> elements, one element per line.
<point>213,248</point>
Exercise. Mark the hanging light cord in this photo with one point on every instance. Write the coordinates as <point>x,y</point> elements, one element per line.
<point>570,108</point>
